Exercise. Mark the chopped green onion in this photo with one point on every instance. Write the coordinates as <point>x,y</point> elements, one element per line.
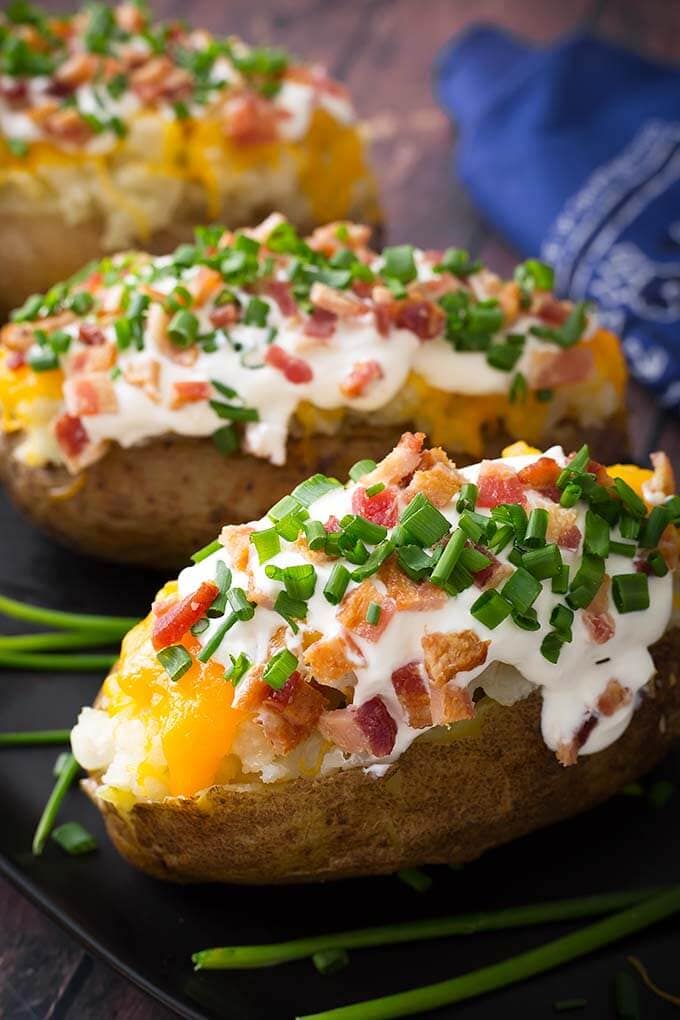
<point>200,626</point>
<point>355,527</point>
<point>474,525</point>
<point>279,669</point>
<point>239,667</point>
<point>423,521</point>
<point>243,609</point>
<point>354,551</point>
<point>300,580</point>
<point>183,328</point>
<point>513,514</point>
<point>285,506</point>
<point>256,313</point>
<point>586,582</point>
<point>535,275</point>
<point>208,650</point>
<point>458,262</point>
<point>74,839</point>
<point>373,490</point>
<point>500,538</point>
<point>622,549</point>
<point>315,533</point>
<point>560,582</point>
<point>536,528</point>
<point>490,609</point>
<point>313,488</point>
<point>17,146</point>
<point>226,391</point>
<point>551,646</point>
<point>518,388</point>
<point>653,527</point>
<point>570,494</point>
<point>544,562</point>
<point>43,360</point>
<point>330,961</point>
<point>570,332</point>
<point>267,543</point>
<point>630,592</point>
<point>657,563</point>
<point>375,560</point>
<point>526,621</point>
<point>65,779</point>
<point>361,468</point>
<point>504,356</point>
<point>474,560</point>
<point>290,526</point>
<point>290,609</point>
<point>576,466</point>
<point>414,561</point>
<point>373,613</point>
<point>467,497</point>
<point>521,590</point>
<point>336,585</point>
<point>630,499</point>
<point>562,619</point>
<point>81,302</point>
<point>222,580</point>
<point>399,263</point>
<point>629,526</point>
<point>175,660</point>
<point>596,539</point>
<point>418,880</point>
<point>207,550</point>
<point>232,412</point>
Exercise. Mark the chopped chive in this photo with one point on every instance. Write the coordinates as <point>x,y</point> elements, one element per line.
<point>355,527</point>
<point>562,619</point>
<point>355,552</point>
<point>279,669</point>
<point>518,388</point>
<point>630,499</point>
<point>374,561</point>
<point>373,490</point>
<point>474,560</point>
<point>491,609</point>
<point>43,360</point>
<point>315,533</point>
<point>183,328</point>
<point>222,580</point>
<point>209,649</point>
<point>536,528</point>
<point>418,880</point>
<point>570,494</point>
<point>74,839</point>
<point>535,275</point>
<point>361,468</point>
<point>521,590</point>
<point>526,621</point>
<point>373,613</point>
<point>657,563</point>
<point>467,497</point>
<point>399,263</point>
<point>200,626</point>
<point>225,390</point>
<point>336,585</point>
<point>35,738</point>
<point>239,667</point>
<point>560,582</point>
<point>290,609</point>
<point>256,313</point>
<point>629,527</point>
<point>300,580</point>
<point>207,550</point>
<point>232,412</point>
<point>473,524</point>
<point>267,543</point>
<point>543,563</point>
<point>65,780</point>
<point>313,488</point>
<point>622,549</point>
<point>586,582</point>
<point>653,527</point>
<point>423,521</point>
<point>290,526</point>
<point>226,440</point>
<point>630,592</point>
<point>242,608</point>
<point>414,561</point>
<point>512,514</point>
<point>500,538</point>
<point>175,660</point>
<point>596,540</point>
<point>330,961</point>
<point>448,558</point>
<point>551,646</point>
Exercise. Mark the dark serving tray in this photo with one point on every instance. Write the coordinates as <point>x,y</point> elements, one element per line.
<point>148,930</point>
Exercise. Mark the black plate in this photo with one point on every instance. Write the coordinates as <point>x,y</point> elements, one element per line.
<point>148,930</point>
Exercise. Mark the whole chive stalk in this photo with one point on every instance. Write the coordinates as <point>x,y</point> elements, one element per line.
<point>57,663</point>
<point>248,957</point>
<point>55,640</point>
<point>514,969</point>
<point>49,815</point>
<point>34,738</point>
<point>112,626</point>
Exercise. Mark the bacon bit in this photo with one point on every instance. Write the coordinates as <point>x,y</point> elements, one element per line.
<point>432,290</point>
<point>436,477</point>
<point>317,76</point>
<point>90,334</point>
<point>408,594</point>
<point>15,360</point>
<point>71,436</point>
<point>320,324</point>
<point>369,727</point>
<point>409,686</point>
<point>602,476</point>
<point>498,483</point>
<point>562,528</point>
<point>662,482</point>
<point>360,378</point>
<point>424,318</point>
<point>494,573</point>
<point>295,369</point>
<point>90,393</point>
<point>542,475</point>
<point>251,692</point>
<point>379,509</point>
<point>325,239</point>
<point>18,337</point>
<point>236,540</point>
<point>400,463</point>
<point>174,621</point>
<point>353,607</point>
<point>92,359</point>
<point>549,309</point>
<point>75,71</point>
<point>597,619</point>
<point>567,754</point>
<point>189,391</point>
<point>14,92</point>
<point>159,78</point>
<point>129,18</point>
<point>669,546</point>
<point>509,299</point>
<point>614,697</point>
<point>332,524</point>
<point>146,375</point>
<point>330,662</point>
<point>67,125</point>
<point>450,704</point>
<point>447,655</point>
<point>341,303</point>
<point>204,284</point>
<point>342,728</point>
<point>384,307</point>
<point>264,230</point>
<point>280,291</point>
<point>157,322</point>
<point>600,604</point>
<point>548,369</point>
<point>225,315</point>
<point>290,715</point>
<point>250,119</point>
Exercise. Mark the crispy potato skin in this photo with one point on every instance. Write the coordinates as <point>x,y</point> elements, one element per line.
<point>157,502</point>
<point>442,802</point>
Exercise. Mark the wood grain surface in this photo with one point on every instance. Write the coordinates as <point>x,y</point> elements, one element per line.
<point>384,51</point>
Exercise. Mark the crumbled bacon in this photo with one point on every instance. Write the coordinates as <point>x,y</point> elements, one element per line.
<point>352,613</point>
<point>280,291</point>
<point>548,369</point>
<point>408,594</point>
<point>175,620</point>
<point>542,475</point>
<point>363,373</point>
<point>436,477</point>
<point>158,78</point>
<point>14,90</point>
<point>384,306</point>
<point>189,391</point>
<point>75,71</point>
<point>71,435</point>
<point>67,125</point>
<point>295,369</point>
<point>325,238</point>
<point>344,304</point>
<point>662,482</point>
<point>17,336</point>
<point>550,310</point>
<point>562,528</point>
<point>379,509</point>
<point>494,573</point>
<point>144,374</point>
<point>90,334</point>
<point>597,619</point>
<point>341,728</point>
<point>614,697</point>
<point>498,483</point>
<point>290,715</point>
<point>15,360</point>
<point>225,315</point>
<point>332,524</point>
<point>204,284</point>
<point>409,686</point>
<point>400,463</point>
<point>424,318</point>
<point>669,546</point>
<point>90,393</point>
<point>251,119</point>
<point>368,727</point>
<point>129,18</point>
<point>450,704</point>
<point>330,660</point>
<point>320,324</point>
<point>602,476</point>
<point>317,76</point>
<point>99,358</point>
<point>447,655</point>
<point>236,540</point>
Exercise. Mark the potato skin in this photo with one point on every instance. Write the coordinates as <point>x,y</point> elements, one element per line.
<point>155,503</point>
<point>442,802</point>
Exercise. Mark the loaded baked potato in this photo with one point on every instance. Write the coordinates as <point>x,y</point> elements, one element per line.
<point>118,132</point>
<point>147,401</point>
<point>407,670</point>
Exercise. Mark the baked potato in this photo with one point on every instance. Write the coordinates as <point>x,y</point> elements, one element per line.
<point>118,132</point>
<point>148,400</point>
<point>406,670</point>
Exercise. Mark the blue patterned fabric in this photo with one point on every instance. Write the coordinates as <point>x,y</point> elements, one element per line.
<point>573,152</point>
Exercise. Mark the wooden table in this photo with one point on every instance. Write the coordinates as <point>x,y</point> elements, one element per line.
<point>384,50</point>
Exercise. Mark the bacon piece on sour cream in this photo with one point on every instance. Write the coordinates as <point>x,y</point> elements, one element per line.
<point>173,620</point>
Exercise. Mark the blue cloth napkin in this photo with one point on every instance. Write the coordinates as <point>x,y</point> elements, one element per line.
<point>573,152</point>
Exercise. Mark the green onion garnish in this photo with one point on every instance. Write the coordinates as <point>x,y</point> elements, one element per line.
<point>290,609</point>
<point>355,527</point>
<point>654,526</point>
<point>474,525</point>
<point>183,328</point>
<point>315,533</point>
<point>300,580</point>
<point>657,563</point>
<point>226,440</point>
<point>467,497</point>
<point>207,652</point>
<point>243,609</point>
<point>175,660</point>
<point>74,839</point>
<point>586,582</point>
<point>373,490</point>
<point>521,590</point>
<point>256,313</point>
<point>373,613</point>
<point>200,626</point>
<point>458,262</point>
<point>630,592</point>
<point>233,412</point>
<point>279,669</point>
<point>330,961</point>
<point>575,467</point>
<point>414,561</point>
<point>474,560</point>
<point>500,538</point>
<point>448,558</point>
<point>361,468</point>
<point>544,562</point>
<point>526,621</point>
<point>596,540</point>
<point>518,388</point>
<point>374,561</point>
<point>551,646</point>
<point>239,667</point>
<point>536,528</point>
<point>336,585</point>
<point>399,263</point>
<point>562,619</point>
<point>629,526</point>
<point>222,580</point>
<point>290,526</point>
<point>44,359</point>
<point>630,499</point>
<point>622,549</point>
<point>570,494</point>
<point>313,488</point>
<point>535,275</point>
<point>560,582</point>
<point>490,609</point>
<point>267,543</point>
<point>423,521</point>
<point>65,779</point>
<point>207,550</point>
